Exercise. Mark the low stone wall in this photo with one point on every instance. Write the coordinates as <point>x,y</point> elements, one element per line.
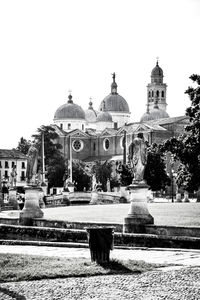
<point>13,232</point>
<point>29,233</point>
<point>74,225</point>
<point>173,230</point>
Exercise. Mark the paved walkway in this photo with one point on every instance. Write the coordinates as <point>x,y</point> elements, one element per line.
<point>169,256</point>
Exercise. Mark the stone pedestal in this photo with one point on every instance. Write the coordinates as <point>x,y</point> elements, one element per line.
<point>31,208</point>
<point>94,198</point>
<point>186,197</point>
<point>13,198</point>
<point>178,197</point>
<point>138,215</point>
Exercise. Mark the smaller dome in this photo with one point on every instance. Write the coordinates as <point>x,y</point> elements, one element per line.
<point>157,71</point>
<point>145,117</point>
<point>69,110</point>
<point>90,113</point>
<point>104,117</point>
<point>158,113</point>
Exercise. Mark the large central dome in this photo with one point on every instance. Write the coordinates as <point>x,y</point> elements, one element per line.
<point>69,110</point>
<point>114,102</point>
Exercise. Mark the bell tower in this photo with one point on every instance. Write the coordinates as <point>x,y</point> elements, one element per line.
<point>157,89</point>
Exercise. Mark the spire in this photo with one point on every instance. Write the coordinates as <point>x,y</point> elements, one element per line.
<point>113,85</point>
<point>90,104</point>
<point>70,98</point>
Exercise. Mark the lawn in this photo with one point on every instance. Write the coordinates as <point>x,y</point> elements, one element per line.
<point>17,267</point>
<point>180,214</point>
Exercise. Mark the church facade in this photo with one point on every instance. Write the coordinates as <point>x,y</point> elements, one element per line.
<point>99,135</point>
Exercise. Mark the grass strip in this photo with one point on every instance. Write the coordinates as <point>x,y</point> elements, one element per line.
<point>18,267</point>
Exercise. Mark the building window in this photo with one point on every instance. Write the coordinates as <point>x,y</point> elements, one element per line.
<point>106,144</point>
<point>0,165</point>
<point>69,126</point>
<point>149,94</point>
<point>6,165</point>
<point>23,165</point>
<point>122,142</point>
<point>157,93</point>
<point>163,94</point>
<point>152,94</point>
<point>77,145</point>
<point>23,176</point>
<point>6,174</point>
<point>82,126</point>
<point>61,126</point>
<point>94,146</point>
<point>13,164</point>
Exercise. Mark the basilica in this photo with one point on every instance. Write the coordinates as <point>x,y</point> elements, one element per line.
<point>100,135</point>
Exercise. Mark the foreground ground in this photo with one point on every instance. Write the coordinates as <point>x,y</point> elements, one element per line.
<point>180,282</point>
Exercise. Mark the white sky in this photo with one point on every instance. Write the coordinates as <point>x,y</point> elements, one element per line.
<point>49,47</point>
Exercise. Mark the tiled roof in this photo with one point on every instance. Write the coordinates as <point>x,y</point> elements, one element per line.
<point>13,154</point>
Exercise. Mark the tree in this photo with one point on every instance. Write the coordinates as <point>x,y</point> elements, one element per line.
<point>186,148</point>
<point>126,174</point>
<point>102,171</point>
<point>54,161</point>
<point>81,177</point>
<point>23,145</point>
<point>155,171</point>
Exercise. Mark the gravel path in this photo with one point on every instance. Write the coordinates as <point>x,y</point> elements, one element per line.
<point>178,284</point>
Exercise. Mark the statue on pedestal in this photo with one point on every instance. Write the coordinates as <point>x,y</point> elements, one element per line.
<point>32,161</point>
<point>13,177</point>
<point>138,157</point>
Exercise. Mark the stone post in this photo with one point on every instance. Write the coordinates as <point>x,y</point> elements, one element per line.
<point>186,198</point>
<point>31,208</point>
<point>138,215</point>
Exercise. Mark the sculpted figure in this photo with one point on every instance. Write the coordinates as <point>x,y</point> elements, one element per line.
<point>32,161</point>
<point>138,157</point>
<point>13,177</point>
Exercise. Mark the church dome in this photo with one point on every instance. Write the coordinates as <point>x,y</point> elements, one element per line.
<point>146,117</point>
<point>69,110</point>
<point>157,71</point>
<point>157,113</point>
<point>104,117</point>
<point>114,102</point>
<point>90,114</point>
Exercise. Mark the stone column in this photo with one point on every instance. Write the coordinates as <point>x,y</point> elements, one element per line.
<point>31,208</point>
<point>138,215</point>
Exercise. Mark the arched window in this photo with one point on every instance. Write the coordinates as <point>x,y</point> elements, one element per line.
<point>157,93</point>
<point>163,94</point>
<point>106,144</point>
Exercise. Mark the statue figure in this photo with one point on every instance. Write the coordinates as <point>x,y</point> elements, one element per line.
<point>32,161</point>
<point>13,177</point>
<point>138,157</point>
<point>94,182</point>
